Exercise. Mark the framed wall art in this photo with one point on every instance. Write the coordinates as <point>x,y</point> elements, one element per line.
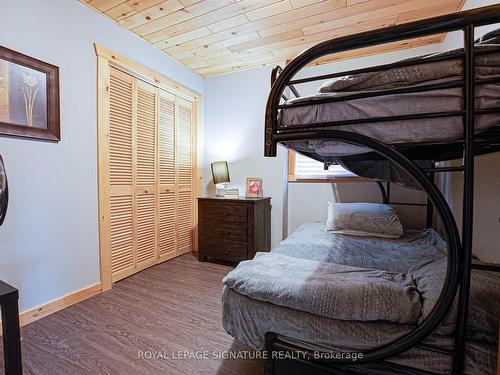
<point>29,97</point>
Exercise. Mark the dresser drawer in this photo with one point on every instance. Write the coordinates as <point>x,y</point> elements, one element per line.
<point>224,249</point>
<point>225,230</point>
<point>224,212</point>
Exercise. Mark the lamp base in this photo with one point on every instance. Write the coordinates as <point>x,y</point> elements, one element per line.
<point>220,189</point>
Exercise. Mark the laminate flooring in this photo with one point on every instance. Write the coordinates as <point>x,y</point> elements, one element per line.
<point>154,322</point>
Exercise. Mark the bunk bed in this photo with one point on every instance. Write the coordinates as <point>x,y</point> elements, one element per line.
<point>345,124</point>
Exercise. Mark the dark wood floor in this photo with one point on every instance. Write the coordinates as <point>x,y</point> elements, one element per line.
<point>172,307</point>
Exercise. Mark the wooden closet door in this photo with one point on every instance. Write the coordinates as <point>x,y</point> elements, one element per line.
<point>146,173</point>
<point>185,174</point>
<point>121,199</point>
<point>145,184</point>
<point>167,228</point>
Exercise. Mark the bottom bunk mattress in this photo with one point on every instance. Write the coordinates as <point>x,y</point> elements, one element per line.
<point>409,272</point>
<point>248,319</point>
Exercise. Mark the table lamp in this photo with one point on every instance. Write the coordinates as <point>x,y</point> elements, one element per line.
<point>220,174</point>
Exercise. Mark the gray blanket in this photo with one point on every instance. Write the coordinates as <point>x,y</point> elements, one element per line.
<point>419,254</point>
<point>328,289</point>
<point>311,241</point>
<point>247,320</point>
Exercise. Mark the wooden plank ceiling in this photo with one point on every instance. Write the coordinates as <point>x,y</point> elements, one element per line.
<point>219,36</point>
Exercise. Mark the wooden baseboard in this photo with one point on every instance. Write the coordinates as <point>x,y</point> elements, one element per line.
<point>29,316</point>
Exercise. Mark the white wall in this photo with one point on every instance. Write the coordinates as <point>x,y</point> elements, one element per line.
<point>308,201</point>
<point>234,131</point>
<point>487,175</point>
<point>49,241</point>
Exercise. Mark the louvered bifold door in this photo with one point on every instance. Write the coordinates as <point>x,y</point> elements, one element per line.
<point>146,173</point>
<point>145,183</point>
<point>167,228</point>
<point>185,174</point>
<point>120,174</point>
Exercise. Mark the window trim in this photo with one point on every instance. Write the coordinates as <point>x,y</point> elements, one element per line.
<point>292,178</point>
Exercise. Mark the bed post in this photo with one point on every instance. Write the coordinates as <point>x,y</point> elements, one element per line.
<point>385,199</point>
<point>270,146</point>
<point>268,348</point>
<point>429,214</point>
<point>468,200</point>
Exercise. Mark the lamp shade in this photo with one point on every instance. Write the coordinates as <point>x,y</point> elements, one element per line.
<point>220,172</point>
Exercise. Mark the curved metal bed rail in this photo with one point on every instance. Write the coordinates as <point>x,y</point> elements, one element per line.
<point>452,277</point>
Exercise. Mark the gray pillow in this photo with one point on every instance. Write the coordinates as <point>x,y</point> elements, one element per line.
<point>363,219</point>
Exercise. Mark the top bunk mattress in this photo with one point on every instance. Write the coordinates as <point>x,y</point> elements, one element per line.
<point>406,131</point>
<point>440,129</point>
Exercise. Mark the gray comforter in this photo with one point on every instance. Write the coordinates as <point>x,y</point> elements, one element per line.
<point>311,241</point>
<point>250,308</point>
<point>327,289</point>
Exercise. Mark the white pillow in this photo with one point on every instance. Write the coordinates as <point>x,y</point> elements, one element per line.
<point>363,219</point>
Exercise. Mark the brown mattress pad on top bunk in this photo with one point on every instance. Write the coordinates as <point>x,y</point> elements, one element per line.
<point>408,131</point>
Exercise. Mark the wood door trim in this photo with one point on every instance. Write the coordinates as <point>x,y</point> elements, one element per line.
<point>141,72</point>
<point>103,103</point>
<point>134,182</point>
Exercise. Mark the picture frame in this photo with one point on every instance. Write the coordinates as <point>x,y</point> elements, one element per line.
<point>254,187</point>
<point>29,97</point>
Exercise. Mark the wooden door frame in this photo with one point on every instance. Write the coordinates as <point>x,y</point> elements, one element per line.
<point>106,59</point>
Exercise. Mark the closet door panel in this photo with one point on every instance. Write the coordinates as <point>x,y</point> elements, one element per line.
<point>167,227</point>
<point>184,144</point>
<point>146,134</point>
<point>145,190</point>
<point>185,221</point>
<point>122,258</point>
<point>146,230</point>
<point>120,129</point>
<point>184,162</point>
<point>121,174</point>
<point>167,238</point>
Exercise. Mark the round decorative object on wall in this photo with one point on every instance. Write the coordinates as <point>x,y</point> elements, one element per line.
<point>4,191</point>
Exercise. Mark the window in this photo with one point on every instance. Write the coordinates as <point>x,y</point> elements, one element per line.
<point>304,169</point>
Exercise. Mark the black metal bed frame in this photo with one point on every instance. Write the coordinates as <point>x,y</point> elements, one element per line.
<point>460,263</point>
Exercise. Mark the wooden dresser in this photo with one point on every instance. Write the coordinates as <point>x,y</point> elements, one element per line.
<point>233,229</point>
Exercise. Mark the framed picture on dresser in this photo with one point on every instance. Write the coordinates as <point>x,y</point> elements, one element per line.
<point>29,97</point>
<point>254,187</point>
